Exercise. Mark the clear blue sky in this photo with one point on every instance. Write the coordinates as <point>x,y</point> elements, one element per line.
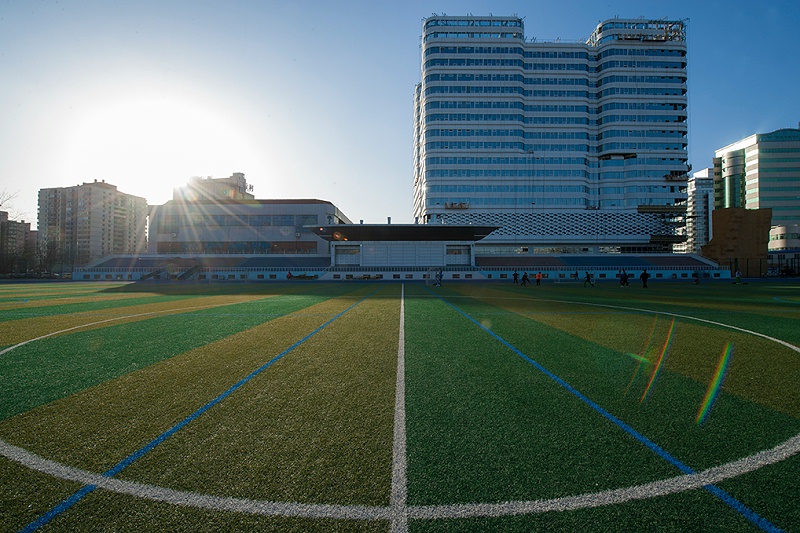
<point>312,99</point>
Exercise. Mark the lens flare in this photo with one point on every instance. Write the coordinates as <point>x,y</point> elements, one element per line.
<point>642,358</point>
<point>715,385</point>
<point>661,358</point>
<point>637,357</point>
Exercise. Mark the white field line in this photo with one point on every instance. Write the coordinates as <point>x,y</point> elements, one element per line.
<point>689,317</point>
<point>399,521</point>
<point>398,507</point>
<point>73,328</point>
<point>653,489</point>
<point>649,311</point>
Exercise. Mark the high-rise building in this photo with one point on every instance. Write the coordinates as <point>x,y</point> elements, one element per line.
<point>86,222</point>
<point>568,146</point>
<point>761,171</point>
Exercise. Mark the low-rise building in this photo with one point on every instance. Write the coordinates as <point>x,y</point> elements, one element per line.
<point>241,227</point>
<point>740,240</point>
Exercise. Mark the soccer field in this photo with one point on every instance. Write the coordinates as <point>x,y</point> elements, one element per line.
<point>371,406</point>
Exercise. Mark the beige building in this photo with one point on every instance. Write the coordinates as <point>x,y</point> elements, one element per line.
<point>762,172</point>
<point>86,222</point>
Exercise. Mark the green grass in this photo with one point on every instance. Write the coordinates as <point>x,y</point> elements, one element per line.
<point>26,494</point>
<point>335,431</point>
<point>668,412</point>
<point>103,511</point>
<point>55,367</point>
<point>483,423</point>
<point>75,308</point>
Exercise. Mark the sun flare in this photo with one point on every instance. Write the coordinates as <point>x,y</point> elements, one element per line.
<point>149,144</point>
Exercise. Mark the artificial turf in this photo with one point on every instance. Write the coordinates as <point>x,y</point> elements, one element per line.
<point>491,415</point>
<point>334,431</point>
<point>51,368</point>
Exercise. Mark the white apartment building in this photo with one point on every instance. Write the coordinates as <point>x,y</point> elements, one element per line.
<point>570,147</point>
<point>90,221</point>
<point>699,211</point>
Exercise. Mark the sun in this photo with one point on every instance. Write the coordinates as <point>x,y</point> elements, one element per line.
<point>148,144</point>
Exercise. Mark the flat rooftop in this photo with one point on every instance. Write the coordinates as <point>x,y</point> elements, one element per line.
<point>401,232</point>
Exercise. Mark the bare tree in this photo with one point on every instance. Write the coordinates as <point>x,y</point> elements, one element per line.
<point>6,202</point>
<point>6,263</point>
<point>50,253</point>
<point>6,196</point>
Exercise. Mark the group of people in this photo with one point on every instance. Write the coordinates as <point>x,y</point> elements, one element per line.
<point>624,278</point>
<point>526,279</point>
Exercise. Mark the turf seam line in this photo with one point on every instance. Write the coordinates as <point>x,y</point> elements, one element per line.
<point>79,495</point>
<point>716,491</point>
<point>399,521</point>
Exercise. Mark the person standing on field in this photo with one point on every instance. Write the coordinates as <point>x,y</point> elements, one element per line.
<point>538,278</point>
<point>644,276</point>
<point>588,279</point>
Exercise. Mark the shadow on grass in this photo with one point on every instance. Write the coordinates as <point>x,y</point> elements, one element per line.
<point>327,289</point>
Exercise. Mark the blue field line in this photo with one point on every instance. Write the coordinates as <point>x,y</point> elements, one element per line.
<point>729,500</point>
<point>80,494</point>
<point>784,300</point>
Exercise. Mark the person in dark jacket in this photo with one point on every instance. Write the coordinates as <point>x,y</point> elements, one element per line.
<point>644,276</point>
